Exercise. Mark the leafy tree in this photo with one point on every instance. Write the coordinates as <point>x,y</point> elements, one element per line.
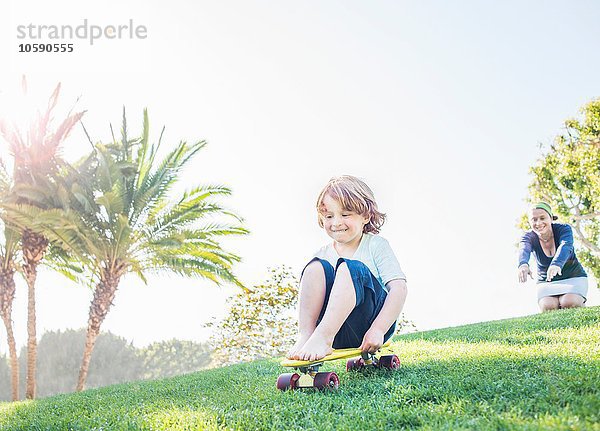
<point>567,176</point>
<point>5,375</point>
<point>261,322</point>
<point>120,220</point>
<point>404,325</point>
<point>174,357</point>
<point>36,159</point>
<point>115,361</point>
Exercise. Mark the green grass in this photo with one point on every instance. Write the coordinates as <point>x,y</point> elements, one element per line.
<point>532,373</point>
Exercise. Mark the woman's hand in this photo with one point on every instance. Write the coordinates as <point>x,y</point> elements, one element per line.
<point>524,271</point>
<point>372,341</point>
<point>553,270</point>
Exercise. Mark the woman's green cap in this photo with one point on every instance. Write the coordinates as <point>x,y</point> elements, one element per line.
<point>544,206</point>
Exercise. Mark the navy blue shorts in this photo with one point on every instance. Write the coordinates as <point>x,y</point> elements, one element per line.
<point>370,296</point>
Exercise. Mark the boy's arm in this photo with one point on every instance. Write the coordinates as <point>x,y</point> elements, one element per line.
<point>373,339</point>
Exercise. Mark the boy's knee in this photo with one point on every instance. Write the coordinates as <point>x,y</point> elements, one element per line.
<point>314,269</point>
<point>343,272</point>
<point>343,267</point>
<point>354,266</point>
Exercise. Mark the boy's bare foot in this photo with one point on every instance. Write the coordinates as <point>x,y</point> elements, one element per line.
<point>302,339</point>
<point>317,347</point>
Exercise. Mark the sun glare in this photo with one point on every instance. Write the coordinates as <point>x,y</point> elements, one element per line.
<point>19,108</point>
<point>22,109</point>
<point>19,105</point>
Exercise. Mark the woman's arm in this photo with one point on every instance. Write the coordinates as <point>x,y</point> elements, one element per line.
<point>563,251</point>
<point>525,248</point>
<point>565,246</point>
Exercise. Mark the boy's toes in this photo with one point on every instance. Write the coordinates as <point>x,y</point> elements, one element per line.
<point>312,357</point>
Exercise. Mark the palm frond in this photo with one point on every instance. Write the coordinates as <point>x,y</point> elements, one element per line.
<point>155,184</point>
<point>9,248</point>
<point>143,166</point>
<point>138,270</point>
<point>112,202</point>
<point>64,129</point>
<point>5,181</point>
<point>124,139</point>
<point>192,240</point>
<point>122,237</point>
<point>61,227</point>
<point>191,207</point>
<point>206,249</point>
<point>59,260</point>
<point>193,268</point>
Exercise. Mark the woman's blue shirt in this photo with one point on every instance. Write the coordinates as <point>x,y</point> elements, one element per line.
<point>564,257</point>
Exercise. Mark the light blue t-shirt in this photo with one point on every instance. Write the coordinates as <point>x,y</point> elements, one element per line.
<point>375,252</point>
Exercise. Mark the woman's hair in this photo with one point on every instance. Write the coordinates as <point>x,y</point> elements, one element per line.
<point>353,195</point>
<point>544,206</point>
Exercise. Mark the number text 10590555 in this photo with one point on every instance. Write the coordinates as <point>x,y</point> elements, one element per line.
<point>45,47</point>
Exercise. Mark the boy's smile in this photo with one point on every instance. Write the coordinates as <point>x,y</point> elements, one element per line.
<point>342,225</point>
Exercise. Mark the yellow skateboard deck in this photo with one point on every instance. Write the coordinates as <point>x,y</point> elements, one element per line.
<point>336,354</point>
<point>310,377</point>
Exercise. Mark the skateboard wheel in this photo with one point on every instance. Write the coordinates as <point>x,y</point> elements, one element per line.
<point>355,364</point>
<point>390,362</point>
<point>326,381</point>
<point>287,381</point>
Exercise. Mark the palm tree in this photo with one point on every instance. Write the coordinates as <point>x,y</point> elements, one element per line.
<point>7,294</point>
<point>8,252</point>
<point>35,162</point>
<point>121,220</point>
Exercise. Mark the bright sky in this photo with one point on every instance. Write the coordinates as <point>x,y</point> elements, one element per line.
<point>439,106</point>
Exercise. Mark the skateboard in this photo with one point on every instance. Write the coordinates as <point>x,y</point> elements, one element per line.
<point>310,377</point>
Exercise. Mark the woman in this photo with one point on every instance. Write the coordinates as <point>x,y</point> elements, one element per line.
<point>562,281</point>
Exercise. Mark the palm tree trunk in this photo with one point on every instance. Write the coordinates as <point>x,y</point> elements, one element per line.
<point>31,338</point>
<point>14,362</point>
<point>34,248</point>
<point>7,295</point>
<point>101,303</point>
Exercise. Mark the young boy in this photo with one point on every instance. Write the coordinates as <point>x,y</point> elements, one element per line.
<point>353,290</point>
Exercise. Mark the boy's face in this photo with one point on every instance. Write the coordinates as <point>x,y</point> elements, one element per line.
<point>343,226</point>
<point>540,221</point>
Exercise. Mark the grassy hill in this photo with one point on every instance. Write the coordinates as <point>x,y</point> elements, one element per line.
<point>537,372</point>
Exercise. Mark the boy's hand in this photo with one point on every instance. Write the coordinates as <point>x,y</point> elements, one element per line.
<point>372,341</point>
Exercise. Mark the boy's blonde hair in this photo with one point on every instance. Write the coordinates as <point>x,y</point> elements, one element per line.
<point>353,195</point>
